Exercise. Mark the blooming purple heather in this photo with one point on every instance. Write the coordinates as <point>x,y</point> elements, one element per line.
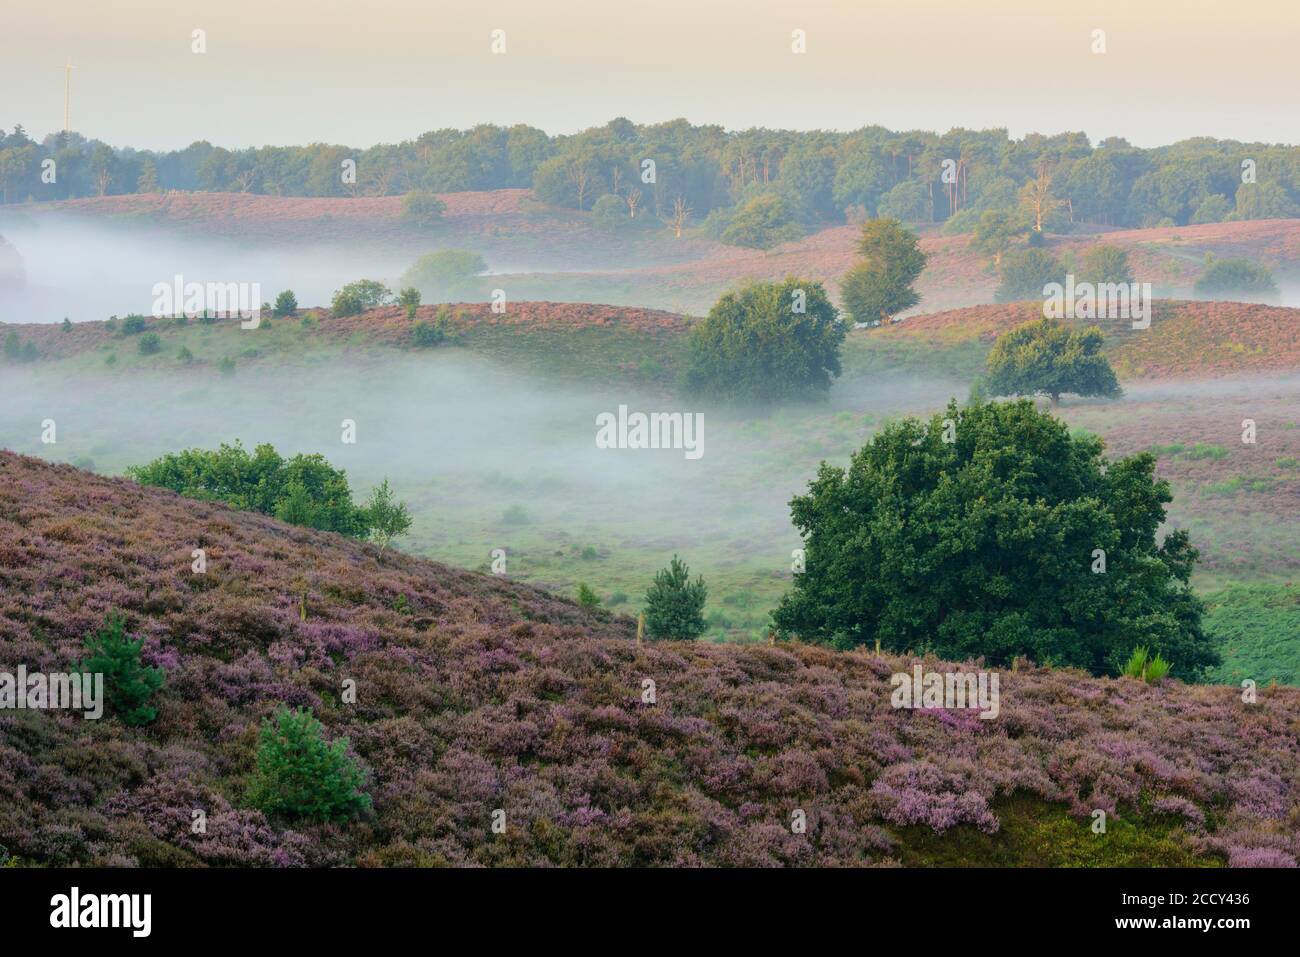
<point>487,694</point>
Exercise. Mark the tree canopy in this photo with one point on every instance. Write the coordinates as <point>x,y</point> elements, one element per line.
<point>1047,357</point>
<point>766,342</point>
<point>880,285</point>
<point>991,531</point>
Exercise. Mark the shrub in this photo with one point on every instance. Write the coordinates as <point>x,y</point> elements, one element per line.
<point>409,299</point>
<point>766,342</point>
<point>133,324</point>
<point>149,344</point>
<point>515,515</point>
<point>422,208</point>
<point>1024,273</point>
<point>226,366</point>
<point>974,534</point>
<point>30,353</point>
<point>300,775</point>
<point>184,355</point>
<point>303,490</point>
<point>761,223</point>
<point>66,325</point>
<point>357,297</point>
<point>609,213</point>
<point>426,334</point>
<point>1236,278</point>
<point>128,684</point>
<point>1048,357</point>
<point>444,274</point>
<point>13,346</point>
<point>587,598</point>
<point>286,304</point>
<point>674,605</point>
<point>1106,264</point>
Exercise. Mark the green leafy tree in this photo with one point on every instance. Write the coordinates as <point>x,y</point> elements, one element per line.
<point>445,274</point>
<point>609,213</point>
<point>286,304</point>
<point>880,285</point>
<point>422,208</point>
<point>674,605</point>
<point>991,531</point>
<point>128,683</point>
<point>1047,357</point>
<point>148,180</point>
<point>1106,264</point>
<point>1236,279</point>
<point>409,299</point>
<point>1024,273</point>
<point>386,517</point>
<point>761,223</point>
<point>766,342</point>
<point>300,775</point>
<point>994,233</point>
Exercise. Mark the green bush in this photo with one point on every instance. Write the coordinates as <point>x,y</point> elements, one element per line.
<point>300,775</point>
<point>1236,279</point>
<point>128,684</point>
<point>609,213</point>
<point>1024,273</point>
<point>226,366</point>
<point>587,598</point>
<point>149,344</point>
<point>303,490</point>
<point>133,324</point>
<point>761,223</point>
<point>422,208</point>
<point>445,274</point>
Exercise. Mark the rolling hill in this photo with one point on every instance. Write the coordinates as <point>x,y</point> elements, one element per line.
<point>477,694</point>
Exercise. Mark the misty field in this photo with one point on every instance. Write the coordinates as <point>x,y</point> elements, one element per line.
<point>491,443</point>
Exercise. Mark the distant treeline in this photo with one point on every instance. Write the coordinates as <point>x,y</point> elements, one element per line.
<point>820,177</point>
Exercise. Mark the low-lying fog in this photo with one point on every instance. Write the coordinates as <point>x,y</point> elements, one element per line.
<point>86,271</point>
<point>465,443</point>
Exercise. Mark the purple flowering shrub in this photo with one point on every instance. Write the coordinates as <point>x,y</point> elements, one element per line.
<point>482,695</point>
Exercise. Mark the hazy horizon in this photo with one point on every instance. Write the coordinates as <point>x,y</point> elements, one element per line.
<point>330,74</point>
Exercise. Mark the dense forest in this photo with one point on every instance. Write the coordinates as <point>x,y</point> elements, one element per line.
<point>666,169</point>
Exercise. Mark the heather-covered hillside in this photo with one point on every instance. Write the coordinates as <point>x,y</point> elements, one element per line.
<point>475,694</point>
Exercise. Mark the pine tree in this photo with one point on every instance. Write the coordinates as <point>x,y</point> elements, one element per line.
<point>674,606</point>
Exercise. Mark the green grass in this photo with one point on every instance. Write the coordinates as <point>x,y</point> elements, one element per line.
<point>1035,833</point>
<point>1258,628</point>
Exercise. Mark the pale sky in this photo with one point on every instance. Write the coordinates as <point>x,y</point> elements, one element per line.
<point>301,71</point>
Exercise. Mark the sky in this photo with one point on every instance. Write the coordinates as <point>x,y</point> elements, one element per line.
<point>358,73</point>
